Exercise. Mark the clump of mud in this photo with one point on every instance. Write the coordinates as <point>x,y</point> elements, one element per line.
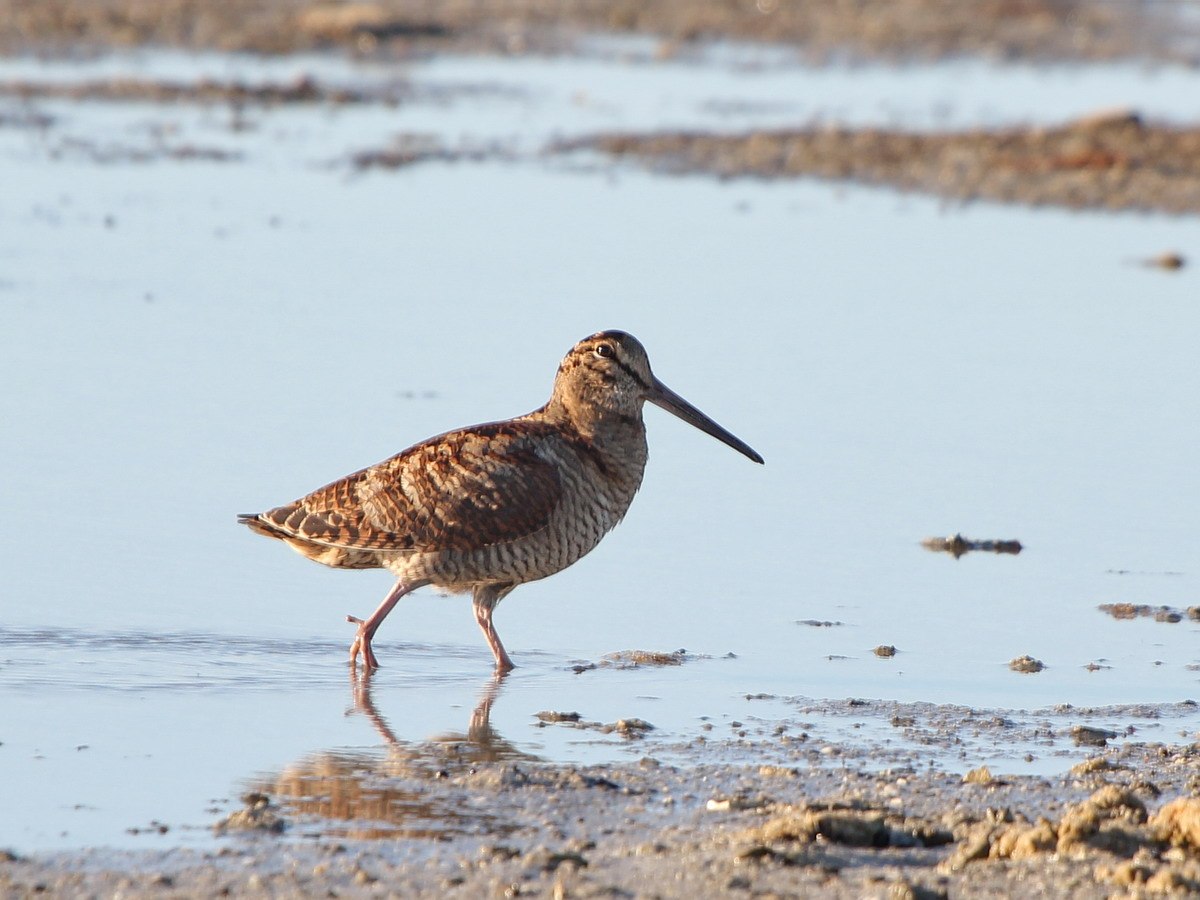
<point>257,815</point>
<point>630,728</point>
<point>958,546</point>
<point>1168,260</point>
<point>1026,664</point>
<point>982,775</point>
<point>1112,823</point>
<point>1145,611</point>
<point>1091,736</point>
<point>408,150</point>
<point>636,659</point>
<point>842,824</point>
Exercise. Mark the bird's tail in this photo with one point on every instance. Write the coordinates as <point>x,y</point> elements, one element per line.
<point>256,523</point>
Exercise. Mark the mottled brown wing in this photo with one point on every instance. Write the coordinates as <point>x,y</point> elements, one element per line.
<point>462,491</point>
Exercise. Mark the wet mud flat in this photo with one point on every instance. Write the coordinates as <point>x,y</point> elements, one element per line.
<point>1124,819</point>
<point>1114,161</point>
<point>888,29</point>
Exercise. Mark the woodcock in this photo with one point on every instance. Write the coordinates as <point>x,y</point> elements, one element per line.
<point>490,507</point>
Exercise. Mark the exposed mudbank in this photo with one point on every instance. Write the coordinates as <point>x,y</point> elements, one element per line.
<point>875,29</point>
<point>1112,161</point>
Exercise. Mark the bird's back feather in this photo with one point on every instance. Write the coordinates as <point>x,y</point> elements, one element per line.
<point>463,490</point>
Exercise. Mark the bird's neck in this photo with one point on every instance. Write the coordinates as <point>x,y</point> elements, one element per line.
<point>616,432</point>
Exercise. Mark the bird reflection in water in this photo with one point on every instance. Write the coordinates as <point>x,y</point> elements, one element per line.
<point>409,791</point>
<point>481,743</point>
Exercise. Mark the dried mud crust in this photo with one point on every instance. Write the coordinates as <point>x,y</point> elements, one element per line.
<point>1128,819</point>
<point>1112,161</point>
<point>1009,29</point>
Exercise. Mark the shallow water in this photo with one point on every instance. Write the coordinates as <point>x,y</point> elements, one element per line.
<point>184,341</point>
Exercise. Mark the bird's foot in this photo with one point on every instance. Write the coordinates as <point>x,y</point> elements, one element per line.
<point>362,644</point>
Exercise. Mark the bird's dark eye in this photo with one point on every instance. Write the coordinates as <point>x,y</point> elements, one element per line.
<point>605,351</point>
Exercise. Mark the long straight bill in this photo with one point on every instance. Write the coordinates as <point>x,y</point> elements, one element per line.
<point>661,395</point>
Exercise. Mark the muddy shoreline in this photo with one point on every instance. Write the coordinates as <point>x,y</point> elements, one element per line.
<point>1114,161</point>
<point>772,807</point>
<point>818,31</point>
<point>1125,819</point>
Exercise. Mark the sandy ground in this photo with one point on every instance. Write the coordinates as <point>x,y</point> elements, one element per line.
<point>766,811</point>
<point>444,820</point>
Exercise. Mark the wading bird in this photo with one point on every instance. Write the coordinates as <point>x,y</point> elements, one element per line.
<point>487,508</point>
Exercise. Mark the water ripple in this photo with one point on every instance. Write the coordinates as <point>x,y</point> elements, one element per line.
<point>37,658</point>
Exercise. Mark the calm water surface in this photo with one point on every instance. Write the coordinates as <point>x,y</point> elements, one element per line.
<point>186,341</point>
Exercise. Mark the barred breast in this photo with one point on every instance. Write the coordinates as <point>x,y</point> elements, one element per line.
<point>595,489</point>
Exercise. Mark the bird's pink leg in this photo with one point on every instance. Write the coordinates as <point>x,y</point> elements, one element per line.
<point>485,599</point>
<point>367,628</point>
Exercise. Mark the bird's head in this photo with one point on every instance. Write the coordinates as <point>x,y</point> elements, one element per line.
<point>607,378</point>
